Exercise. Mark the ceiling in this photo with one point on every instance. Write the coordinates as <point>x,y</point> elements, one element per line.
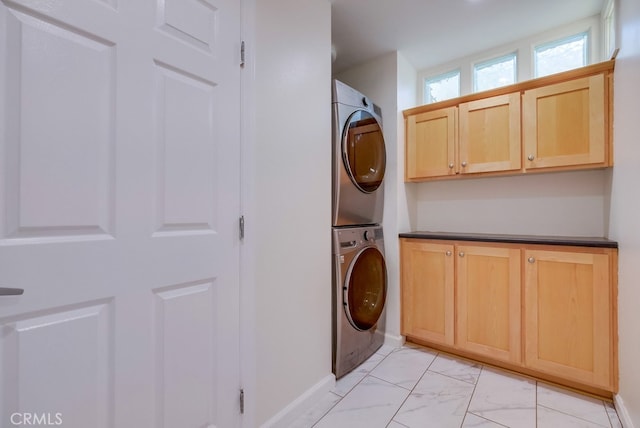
<point>433,32</point>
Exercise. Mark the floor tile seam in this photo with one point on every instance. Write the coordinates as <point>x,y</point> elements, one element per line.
<point>411,391</point>
<point>384,357</point>
<point>452,377</point>
<point>394,421</point>
<point>342,397</point>
<point>574,416</point>
<point>471,397</point>
<point>391,383</point>
<point>485,418</point>
<point>330,408</point>
<point>404,387</point>
<point>366,374</point>
<point>349,390</point>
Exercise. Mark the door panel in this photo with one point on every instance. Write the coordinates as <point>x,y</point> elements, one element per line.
<point>79,384</point>
<point>366,289</point>
<point>431,144</point>
<point>119,158</point>
<point>186,188</point>
<point>490,134</point>
<point>568,315</point>
<point>427,290</point>
<point>564,123</point>
<point>48,193</point>
<point>184,316</point>
<point>488,315</point>
<point>364,151</point>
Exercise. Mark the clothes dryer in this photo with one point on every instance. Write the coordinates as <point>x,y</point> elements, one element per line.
<point>359,158</point>
<point>359,295</point>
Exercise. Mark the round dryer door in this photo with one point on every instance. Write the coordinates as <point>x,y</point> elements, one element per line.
<point>363,151</point>
<point>366,289</point>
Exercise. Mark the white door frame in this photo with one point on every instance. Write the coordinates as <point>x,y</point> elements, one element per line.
<point>248,356</point>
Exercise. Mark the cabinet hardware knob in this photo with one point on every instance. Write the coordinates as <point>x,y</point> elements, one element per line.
<point>464,164</point>
<point>448,253</point>
<point>531,157</point>
<point>461,254</point>
<point>531,260</point>
<point>451,165</point>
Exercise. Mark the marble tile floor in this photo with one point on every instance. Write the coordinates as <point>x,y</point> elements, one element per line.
<point>416,387</point>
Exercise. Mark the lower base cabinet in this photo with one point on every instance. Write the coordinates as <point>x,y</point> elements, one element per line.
<point>488,301</point>
<point>568,315</point>
<point>548,311</point>
<point>427,293</point>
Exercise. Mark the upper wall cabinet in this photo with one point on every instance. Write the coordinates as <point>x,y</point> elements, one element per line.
<point>434,136</point>
<point>564,124</point>
<point>558,122</point>
<point>490,134</point>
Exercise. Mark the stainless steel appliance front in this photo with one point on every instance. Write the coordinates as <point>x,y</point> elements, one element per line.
<point>359,158</point>
<point>359,295</point>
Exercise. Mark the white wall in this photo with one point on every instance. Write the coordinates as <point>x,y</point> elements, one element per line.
<point>377,80</point>
<point>586,203</point>
<point>390,81</point>
<point>289,226</point>
<point>572,203</point>
<point>407,98</point>
<point>625,205</point>
<point>524,48</point>
<point>569,203</point>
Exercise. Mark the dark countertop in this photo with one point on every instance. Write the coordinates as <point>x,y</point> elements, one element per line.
<point>577,241</point>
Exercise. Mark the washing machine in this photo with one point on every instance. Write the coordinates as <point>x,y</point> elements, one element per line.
<point>359,295</point>
<point>359,158</point>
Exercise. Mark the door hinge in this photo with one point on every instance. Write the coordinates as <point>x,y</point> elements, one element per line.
<point>241,226</point>
<point>242,54</point>
<point>242,401</point>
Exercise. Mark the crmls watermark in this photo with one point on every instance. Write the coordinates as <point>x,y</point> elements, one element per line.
<point>36,419</point>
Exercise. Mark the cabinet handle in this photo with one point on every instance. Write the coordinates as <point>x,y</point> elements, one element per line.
<point>448,253</point>
<point>464,164</point>
<point>531,157</point>
<point>461,254</point>
<point>531,260</point>
<point>451,165</point>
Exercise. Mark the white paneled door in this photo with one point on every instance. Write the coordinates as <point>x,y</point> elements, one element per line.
<point>119,204</point>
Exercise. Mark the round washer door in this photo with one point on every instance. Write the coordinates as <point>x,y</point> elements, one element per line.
<point>366,289</point>
<point>363,151</point>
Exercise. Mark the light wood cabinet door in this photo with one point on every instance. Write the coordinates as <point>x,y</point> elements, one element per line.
<point>564,124</point>
<point>490,134</point>
<point>568,316</point>
<point>431,144</point>
<point>427,271</point>
<point>488,301</point>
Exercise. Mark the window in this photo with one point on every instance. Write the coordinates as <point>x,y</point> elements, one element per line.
<point>609,29</point>
<point>561,55</point>
<point>494,73</point>
<point>442,87</point>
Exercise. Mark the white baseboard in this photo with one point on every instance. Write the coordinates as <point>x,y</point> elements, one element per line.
<point>393,340</point>
<point>622,412</point>
<point>302,404</point>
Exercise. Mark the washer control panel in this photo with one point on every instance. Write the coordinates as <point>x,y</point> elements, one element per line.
<point>351,238</point>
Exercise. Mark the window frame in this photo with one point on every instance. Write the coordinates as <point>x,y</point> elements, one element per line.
<point>586,50</point>
<point>524,48</point>
<point>609,35</point>
<point>437,77</point>
<point>492,61</point>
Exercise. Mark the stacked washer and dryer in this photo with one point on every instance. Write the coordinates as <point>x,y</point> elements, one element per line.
<point>359,269</point>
